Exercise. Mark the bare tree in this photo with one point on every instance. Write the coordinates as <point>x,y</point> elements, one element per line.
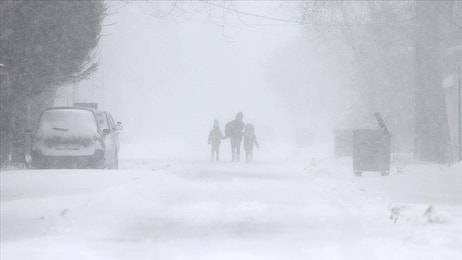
<point>397,60</point>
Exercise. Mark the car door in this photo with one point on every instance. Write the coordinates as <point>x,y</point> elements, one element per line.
<point>109,148</point>
<point>114,133</point>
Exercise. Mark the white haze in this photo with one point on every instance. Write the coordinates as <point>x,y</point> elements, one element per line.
<point>168,78</point>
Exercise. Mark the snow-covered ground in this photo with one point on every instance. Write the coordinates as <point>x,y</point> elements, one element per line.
<point>172,209</point>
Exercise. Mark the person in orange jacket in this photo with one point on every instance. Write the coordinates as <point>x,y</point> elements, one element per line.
<point>215,137</point>
<point>249,140</point>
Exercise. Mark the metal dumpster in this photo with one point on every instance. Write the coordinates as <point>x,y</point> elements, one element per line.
<point>371,149</point>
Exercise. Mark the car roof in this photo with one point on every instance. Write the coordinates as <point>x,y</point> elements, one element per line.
<point>94,111</point>
<point>71,108</point>
<point>79,108</point>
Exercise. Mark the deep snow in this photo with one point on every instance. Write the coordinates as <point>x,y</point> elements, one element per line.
<point>172,209</point>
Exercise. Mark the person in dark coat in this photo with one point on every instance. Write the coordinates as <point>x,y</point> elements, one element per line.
<point>249,140</point>
<point>234,130</point>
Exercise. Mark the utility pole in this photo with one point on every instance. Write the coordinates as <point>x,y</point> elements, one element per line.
<point>460,117</point>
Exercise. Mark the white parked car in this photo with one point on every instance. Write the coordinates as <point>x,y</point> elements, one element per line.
<point>75,137</point>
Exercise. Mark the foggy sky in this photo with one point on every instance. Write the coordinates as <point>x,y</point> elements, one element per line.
<point>169,78</point>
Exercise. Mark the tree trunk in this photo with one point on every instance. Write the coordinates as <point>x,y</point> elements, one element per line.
<point>18,113</point>
<point>432,133</point>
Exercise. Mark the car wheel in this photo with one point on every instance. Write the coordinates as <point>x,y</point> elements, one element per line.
<point>98,165</point>
<point>38,165</point>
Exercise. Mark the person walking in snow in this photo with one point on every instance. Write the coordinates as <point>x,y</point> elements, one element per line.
<point>249,140</point>
<point>215,137</point>
<point>234,130</point>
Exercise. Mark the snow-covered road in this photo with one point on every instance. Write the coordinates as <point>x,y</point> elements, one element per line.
<point>200,210</point>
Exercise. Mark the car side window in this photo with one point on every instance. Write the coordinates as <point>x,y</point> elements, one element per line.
<point>111,121</point>
<point>103,122</point>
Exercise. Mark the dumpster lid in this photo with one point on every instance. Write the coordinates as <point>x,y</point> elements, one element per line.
<point>381,122</point>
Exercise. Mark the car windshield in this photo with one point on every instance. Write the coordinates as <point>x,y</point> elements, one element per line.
<point>67,123</point>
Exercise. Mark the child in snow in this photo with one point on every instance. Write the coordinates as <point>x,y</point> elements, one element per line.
<point>249,140</point>
<point>215,137</point>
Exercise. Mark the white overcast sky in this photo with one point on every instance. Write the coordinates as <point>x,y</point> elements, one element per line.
<point>171,77</point>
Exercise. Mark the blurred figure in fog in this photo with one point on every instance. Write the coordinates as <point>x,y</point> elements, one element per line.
<point>249,140</point>
<point>215,137</point>
<point>234,131</point>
